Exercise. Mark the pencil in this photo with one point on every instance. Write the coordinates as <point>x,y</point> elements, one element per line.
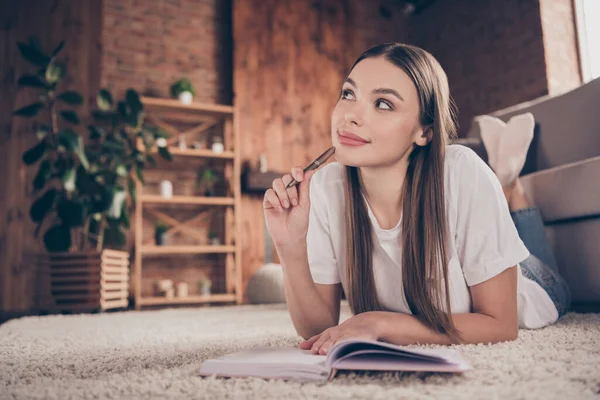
<point>315,164</point>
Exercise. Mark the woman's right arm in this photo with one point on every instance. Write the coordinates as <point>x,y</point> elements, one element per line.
<point>313,307</point>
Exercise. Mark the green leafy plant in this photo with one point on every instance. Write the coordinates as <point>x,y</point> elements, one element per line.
<point>161,228</point>
<point>207,179</point>
<point>182,85</point>
<point>84,188</point>
<point>213,235</point>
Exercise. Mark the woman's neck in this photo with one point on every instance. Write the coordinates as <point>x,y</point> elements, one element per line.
<point>382,187</point>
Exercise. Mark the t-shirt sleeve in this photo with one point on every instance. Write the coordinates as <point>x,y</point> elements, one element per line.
<point>487,240</point>
<point>321,255</point>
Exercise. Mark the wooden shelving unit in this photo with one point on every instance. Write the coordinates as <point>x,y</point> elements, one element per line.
<point>200,118</point>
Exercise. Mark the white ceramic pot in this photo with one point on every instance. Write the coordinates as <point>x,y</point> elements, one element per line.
<point>186,97</point>
<point>166,189</point>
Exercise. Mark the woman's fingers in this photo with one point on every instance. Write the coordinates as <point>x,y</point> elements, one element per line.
<point>317,345</point>
<point>279,197</point>
<point>272,201</point>
<point>291,192</point>
<point>279,188</point>
<point>307,344</point>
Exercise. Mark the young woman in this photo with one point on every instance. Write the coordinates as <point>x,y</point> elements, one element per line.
<point>418,233</point>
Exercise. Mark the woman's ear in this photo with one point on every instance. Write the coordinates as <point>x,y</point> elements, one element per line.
<point>424,136</point>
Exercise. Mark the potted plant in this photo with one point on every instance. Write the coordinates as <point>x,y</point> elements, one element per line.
<point>204,286</point>
<point>183,90</point>
<point>213,238</point>
<point>161,234</point>
<point>208,178</point>
<point>85,191</point>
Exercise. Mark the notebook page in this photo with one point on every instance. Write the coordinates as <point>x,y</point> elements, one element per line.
<point>268,362</point>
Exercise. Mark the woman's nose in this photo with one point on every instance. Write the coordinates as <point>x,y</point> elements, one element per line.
<point>353,117</point>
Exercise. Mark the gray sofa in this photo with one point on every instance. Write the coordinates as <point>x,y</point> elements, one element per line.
<point>562,177</point>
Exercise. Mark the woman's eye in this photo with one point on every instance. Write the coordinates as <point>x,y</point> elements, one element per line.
<point>383,105</point>
<point>347,94</point>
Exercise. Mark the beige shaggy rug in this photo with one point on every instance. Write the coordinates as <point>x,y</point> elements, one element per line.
<point>157,354</point>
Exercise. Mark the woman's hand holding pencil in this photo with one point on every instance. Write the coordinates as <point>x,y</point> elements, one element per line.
<point>287,205</point>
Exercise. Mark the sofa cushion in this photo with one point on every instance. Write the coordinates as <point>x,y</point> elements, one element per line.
<point>577,251</point>
<point>571,191</point>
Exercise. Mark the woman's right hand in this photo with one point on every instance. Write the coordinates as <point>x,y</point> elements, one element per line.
<point>287,211</point>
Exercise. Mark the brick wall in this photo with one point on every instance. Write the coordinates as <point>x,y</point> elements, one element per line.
<point>148,45</point>
<point>492,51</point>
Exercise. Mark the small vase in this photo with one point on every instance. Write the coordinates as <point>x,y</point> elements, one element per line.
<point>215,241</point>
<point>186,97</point>
<point>162,239</point>
<point>205,288</point>
<point>166,189</point>
<point>218,146</point>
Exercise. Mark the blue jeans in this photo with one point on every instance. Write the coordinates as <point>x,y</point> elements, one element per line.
<point>541,266</point>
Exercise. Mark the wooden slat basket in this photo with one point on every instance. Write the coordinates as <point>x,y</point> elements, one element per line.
<point>81,281</point>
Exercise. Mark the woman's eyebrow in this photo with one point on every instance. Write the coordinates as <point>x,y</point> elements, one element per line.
<point>388,91</point>
<point>380,90</point>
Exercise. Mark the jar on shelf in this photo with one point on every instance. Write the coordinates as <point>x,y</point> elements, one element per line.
<point>217,145</point>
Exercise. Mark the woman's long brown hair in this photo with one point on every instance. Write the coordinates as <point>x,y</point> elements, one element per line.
<point>424,225</point>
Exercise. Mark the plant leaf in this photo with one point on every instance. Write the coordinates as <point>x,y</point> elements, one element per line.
<point>71,97</point>
<point>131,186</point>
<point>42,205</point>
<point>69,180</point>
<point>33,54</point>
<point>116,205</point>
<point>101,199</point>
<point>42,175</point>
<point>70,116</point>
<point>104,100</point>
<point>139,173</point>
<point>72,141</point>
<point>151,160</point>
<point>35,153</point>
<point>133,101</point>
<point>124,216</point>
<point>58,238</point>
<point>30,110</point>
<point>121,170</point>
<point>96,132</point>
<point>58,49</point>
<point>53,73</point>
<point>165,153</point>
<point>31,81</point>
<point>71,212</point>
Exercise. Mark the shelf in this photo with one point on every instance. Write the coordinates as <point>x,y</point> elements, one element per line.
<point>202,153</point>
<point>186,249</point>
<point>213,298</point>
<point>165,104</point>
<point>214,201</point>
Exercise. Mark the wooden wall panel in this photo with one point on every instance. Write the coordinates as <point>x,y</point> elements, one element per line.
<point>79,23</point>
<point>290,58</point>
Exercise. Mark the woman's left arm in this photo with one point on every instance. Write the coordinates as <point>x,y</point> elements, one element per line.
<point>494,319</point>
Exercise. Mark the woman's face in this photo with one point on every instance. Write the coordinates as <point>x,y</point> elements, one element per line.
<point>379,104</point>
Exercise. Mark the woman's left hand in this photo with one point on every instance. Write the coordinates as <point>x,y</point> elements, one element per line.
<point>361,326</point>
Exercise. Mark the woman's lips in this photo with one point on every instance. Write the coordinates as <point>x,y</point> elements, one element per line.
<point>348,141</point>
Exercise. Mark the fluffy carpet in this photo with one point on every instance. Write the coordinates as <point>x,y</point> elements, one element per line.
<point>157,354</point>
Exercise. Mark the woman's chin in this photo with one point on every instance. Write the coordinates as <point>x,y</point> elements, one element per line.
<point>350,160</point>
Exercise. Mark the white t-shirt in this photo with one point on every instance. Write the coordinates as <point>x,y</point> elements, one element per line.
<point>485,240</point>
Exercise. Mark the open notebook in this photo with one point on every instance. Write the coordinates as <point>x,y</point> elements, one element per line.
<point>364,355</point>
